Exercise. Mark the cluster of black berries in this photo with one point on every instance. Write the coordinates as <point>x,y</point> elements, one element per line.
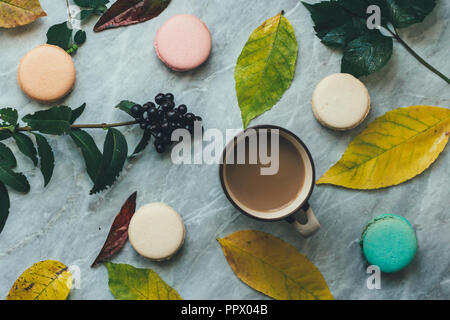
<point>162,118</point>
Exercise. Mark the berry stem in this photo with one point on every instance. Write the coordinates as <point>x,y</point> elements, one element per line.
<point>415,55</point>
<point>68,11</point>
<point>103,125</point>
<point>83,126</point>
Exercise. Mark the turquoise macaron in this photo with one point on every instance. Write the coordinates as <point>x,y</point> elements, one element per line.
<point>389,242</point>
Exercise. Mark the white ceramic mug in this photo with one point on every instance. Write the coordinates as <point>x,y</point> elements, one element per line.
<point>297,209</point>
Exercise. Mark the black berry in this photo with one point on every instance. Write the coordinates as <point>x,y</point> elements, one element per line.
<point>173,126</point>
<point>154,128</point>
<point>165,126</point>
<point>136,110</point>
<point>167,106</point>
<point>189,118</point>
<point>159,136</point>
<point>162,119</point>
<point>160,98</point>
<point>189,128</point>
<point>152,112</point>
<point>171,115</point>
<point>182,109</point>
<point>148,105</point>
<point>159,146</point>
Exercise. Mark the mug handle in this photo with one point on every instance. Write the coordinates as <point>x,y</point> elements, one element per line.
<point>310,227</point>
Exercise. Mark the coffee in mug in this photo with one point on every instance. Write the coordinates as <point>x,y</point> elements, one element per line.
<point>268,174</point>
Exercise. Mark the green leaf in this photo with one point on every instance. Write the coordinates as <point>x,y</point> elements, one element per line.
<point>46,156</point>
<point>100,10</point>
<point>5,135</point>
<point>366,54</point>
<point>60,35</point>
<point>265,68</point>
<point>129,283</point>
<point>91,3</point>
<point>404,13</point>
<point>340,36</point>
<point>143,143</point>
<point>7,157</point>
<point>80,37</point>
<point>125,106</point>
<point>333,24</point>
<point>86,13</point>
<point>13,179</point>
<point>115,151</point>
<point>25,145</point>
<point>92,156</point>
<point>338,22</point>
<point>342,24</point>
<point>52,121</point>
<point>359,7</point>
<point>76,113</point>
<point>8,117</point>
<point>94,8</point>
<point>4,206</point>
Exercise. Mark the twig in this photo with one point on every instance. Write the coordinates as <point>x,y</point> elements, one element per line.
<point>82,126</point>
<point>68,11</point>
<point>415,55</point>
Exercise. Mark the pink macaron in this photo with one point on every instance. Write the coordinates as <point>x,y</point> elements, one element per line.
<point>183,42</point>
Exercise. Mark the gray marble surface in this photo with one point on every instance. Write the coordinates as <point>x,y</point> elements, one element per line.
<point>63,222</point>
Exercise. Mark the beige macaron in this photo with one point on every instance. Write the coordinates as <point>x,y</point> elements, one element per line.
<point>340,101</point>
<point>46,73</point>
<point>156,231</point>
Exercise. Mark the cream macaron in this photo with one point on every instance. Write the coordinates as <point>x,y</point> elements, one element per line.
<point>46,73</point>
<point>156,231</point>
<point>183,42</point>
<point>340,101</point>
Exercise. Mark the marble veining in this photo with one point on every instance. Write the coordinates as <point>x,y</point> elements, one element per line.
<point>63,222</point>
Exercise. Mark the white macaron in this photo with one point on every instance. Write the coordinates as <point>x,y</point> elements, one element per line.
<point>156,231</point>
<point>340,101</point>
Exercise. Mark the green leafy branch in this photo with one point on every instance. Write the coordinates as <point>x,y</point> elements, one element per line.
<point>103,168</point>
<point>61,34</point>
<point>342,24</point>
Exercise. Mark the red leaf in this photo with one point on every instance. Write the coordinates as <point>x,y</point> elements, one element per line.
<point>126,12</point>
<point>118,234</point>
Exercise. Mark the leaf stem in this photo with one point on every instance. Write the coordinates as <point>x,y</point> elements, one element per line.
<point>103,125</point>
<point>83,126</point>
<point>68,11</point>
<point>415,55</point>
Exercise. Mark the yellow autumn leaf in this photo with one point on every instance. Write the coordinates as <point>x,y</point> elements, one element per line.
<point>45,280</point>
<point>129,283</point>
<point>14,13</point>
<point>393,149</point>
<point>273,267</point>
